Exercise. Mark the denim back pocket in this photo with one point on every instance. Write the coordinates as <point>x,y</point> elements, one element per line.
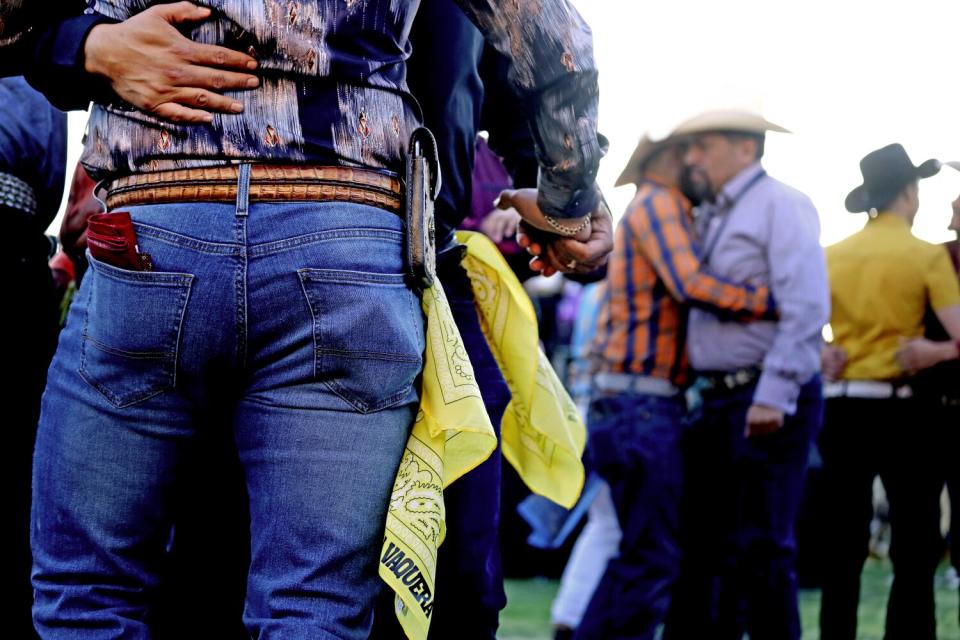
<point>131,333</point>
<point>368,335</point>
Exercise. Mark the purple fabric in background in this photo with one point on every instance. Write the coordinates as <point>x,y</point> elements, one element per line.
<point>490,177</point>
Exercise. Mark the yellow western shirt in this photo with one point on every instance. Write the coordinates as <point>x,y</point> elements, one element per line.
<point>881,281</point>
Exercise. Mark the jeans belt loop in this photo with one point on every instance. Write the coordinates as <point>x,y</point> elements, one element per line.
<point>243,190</point>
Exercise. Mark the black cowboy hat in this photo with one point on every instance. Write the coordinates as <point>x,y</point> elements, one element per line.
<point>886,172</point>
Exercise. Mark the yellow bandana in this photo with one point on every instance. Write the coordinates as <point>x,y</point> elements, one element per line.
<point>543,436</point>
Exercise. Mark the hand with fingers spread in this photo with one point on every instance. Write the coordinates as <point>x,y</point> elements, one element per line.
<point>154,67</point>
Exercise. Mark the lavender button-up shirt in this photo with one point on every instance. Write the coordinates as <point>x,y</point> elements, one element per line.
<point>771,238</point>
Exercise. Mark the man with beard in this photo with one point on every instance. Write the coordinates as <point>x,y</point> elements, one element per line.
<point>762,399</point>
<point>637,412</point>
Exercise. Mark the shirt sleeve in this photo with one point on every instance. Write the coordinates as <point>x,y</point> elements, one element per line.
<point>553,73</point>
<point>57,62</point>
<point>943,287</point>
<point>33,144</point>
<point>503,118</point>
<point>49,52</point>
<point>663,238</point>
<point>798,279</point>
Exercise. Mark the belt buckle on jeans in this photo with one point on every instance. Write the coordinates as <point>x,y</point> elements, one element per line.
<point>731,380</point>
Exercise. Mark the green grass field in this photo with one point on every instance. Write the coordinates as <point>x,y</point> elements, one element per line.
<point>527,614</point>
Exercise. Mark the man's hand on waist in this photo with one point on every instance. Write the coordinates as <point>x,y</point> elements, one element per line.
<point>916,354</point>
<point>151,65</point>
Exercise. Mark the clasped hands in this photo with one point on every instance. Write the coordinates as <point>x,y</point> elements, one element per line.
<point>552,253</point>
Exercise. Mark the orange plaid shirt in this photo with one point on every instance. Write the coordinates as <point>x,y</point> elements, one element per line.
<point>653,276</point>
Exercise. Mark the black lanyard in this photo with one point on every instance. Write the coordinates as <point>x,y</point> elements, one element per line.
<point>727,212</point>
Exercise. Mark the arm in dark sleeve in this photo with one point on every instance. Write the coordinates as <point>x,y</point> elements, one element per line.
<point>57,63</point>
<point>33,144</point>
<point>503,118</point>
<point>49,52</point>
<point>552,71</point>
<point>443,75</point>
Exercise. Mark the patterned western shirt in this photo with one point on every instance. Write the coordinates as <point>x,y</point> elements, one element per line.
<point>333,90</point>
<point>653,275</point>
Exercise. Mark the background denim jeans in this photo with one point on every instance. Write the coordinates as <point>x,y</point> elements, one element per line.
<point>738,520</point>
<point>291,319</point>
<point>635,446</point>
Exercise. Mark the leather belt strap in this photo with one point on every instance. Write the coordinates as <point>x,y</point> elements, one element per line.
<point>630,383</point>
<point>267,183</point>
<point>718,381</point>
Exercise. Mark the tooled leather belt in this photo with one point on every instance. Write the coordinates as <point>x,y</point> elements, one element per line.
<point>268,183</point>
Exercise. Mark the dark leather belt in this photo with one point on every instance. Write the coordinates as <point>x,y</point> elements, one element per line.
<point>715,381</point>
<point>268,183</point>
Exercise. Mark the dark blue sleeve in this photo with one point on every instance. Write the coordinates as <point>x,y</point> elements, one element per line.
<point>504,118</point>
<point>443,76</point>
<point>33,144</point>
<point>57,63</point>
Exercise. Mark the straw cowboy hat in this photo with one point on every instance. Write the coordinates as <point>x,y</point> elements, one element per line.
<point>646,149</point>
<point>886,172</point>
<point>727,120</point>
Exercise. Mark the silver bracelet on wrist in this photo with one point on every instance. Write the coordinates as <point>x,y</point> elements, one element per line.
<point>567,231</point>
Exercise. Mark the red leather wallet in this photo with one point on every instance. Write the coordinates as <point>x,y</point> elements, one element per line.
<point>111,239</point>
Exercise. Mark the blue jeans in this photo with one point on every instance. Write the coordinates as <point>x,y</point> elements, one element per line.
<point>635,446</point>
<point>738,522</point>
<point>295,321</point>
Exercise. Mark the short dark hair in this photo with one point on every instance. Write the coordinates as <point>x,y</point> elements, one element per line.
<point>884,201</point>
<point>759,138</point>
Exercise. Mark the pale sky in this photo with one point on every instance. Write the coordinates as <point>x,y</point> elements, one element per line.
<point>846,76</point>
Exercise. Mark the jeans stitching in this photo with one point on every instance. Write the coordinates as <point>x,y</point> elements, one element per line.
<point>367,354</point>
<point>320,351</point>
<point>155,278</point>
<point>362,277</point>
<point>240,283</point>
<point>278,246</point>
<point>180,240</point>
<point>315,325</point>
<point>167,360</point>
<point>133,355</point>
<point>266,248</point>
